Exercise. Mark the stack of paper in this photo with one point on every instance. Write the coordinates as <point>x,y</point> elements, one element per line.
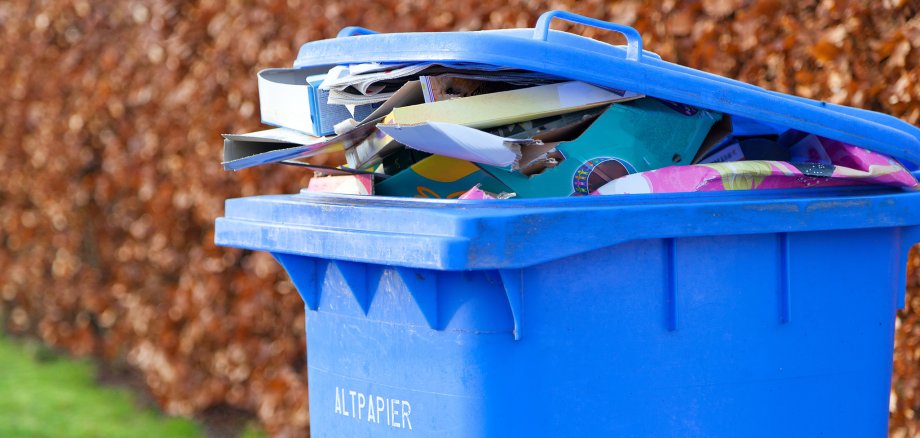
<point>481,132</point>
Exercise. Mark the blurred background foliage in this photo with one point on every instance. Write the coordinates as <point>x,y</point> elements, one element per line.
<point>111,179</point>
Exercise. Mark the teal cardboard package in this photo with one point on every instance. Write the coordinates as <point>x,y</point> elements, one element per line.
<point>635,136</point>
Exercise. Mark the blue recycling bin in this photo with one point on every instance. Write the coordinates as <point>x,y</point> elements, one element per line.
<point>753,313</point>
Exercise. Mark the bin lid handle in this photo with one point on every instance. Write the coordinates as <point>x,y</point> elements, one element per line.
<point>633,38</point>
<point>355,31</point>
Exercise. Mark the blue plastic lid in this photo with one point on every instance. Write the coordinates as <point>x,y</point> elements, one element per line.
<point>626,67</point>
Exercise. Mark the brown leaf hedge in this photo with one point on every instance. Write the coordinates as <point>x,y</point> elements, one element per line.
<point>111,180</point>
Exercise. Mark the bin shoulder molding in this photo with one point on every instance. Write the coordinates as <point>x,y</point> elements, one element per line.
<point>463,235</point>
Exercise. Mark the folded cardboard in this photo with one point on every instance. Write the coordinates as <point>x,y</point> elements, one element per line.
<point>281,144</point>
<point>438,177</point>
<point>459,142</point>
<point>515,146</point>
<point>507,107</point>
<point>629,137</point>
<point>369,152</point>
<point>561,127</point>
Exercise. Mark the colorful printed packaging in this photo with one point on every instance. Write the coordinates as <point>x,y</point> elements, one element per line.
<point>849,165</point>
<point>343,184</point>
<point>629,137</point>
<point>438,177</point>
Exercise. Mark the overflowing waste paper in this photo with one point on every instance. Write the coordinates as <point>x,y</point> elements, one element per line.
<point>475,131</point>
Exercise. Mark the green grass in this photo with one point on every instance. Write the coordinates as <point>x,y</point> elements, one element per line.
<point>252,431</point>
<point>42,395</point>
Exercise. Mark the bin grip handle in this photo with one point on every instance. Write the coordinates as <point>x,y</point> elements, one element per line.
<point>354,31</point>
<point>633,38</point>
<point>910,236</point>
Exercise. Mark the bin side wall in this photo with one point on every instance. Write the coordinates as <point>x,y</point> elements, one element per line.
<point>776,334</point>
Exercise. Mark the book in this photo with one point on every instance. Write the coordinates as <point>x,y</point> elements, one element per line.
<point>293,99</point>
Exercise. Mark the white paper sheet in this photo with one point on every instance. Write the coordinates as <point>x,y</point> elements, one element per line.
<point>459,142</point>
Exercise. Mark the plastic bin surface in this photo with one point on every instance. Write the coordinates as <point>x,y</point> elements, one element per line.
<point>758,313</point>
<point>732,314</point>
